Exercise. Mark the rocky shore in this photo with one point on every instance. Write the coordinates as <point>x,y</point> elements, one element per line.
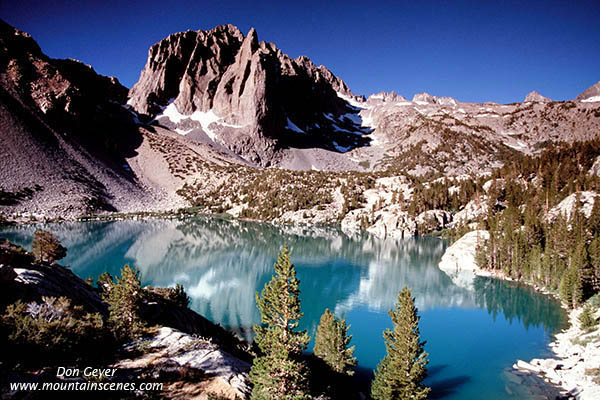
<point>573,371</point>
<point>181,348</point>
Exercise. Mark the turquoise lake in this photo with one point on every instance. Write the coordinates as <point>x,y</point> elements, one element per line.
<point>473,333</point>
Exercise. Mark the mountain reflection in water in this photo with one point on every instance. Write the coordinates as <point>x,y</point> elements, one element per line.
<point>223,263</point>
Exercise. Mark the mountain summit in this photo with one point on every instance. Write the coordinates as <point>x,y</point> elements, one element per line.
<point>247,96</point>
<point>591,94</point>
<point>535,97</point>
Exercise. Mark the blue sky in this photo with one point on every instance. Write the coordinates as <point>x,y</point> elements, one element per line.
<point>471,50</point>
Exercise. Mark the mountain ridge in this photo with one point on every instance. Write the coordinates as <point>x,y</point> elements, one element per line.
<point>221,106</point>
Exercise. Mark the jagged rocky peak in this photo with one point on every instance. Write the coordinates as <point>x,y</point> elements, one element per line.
<point>424,98</point>
<point>186,66</point>
<point>446,101</point>
<point>535,97</point>
<point>591,94</point>
<point>385,97</point>
<point>204,70</point>
<point>249,96</point>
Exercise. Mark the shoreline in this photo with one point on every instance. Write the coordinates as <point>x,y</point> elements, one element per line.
<point>574,351</point>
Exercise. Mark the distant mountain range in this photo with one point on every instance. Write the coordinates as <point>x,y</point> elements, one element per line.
<point>210,102</point>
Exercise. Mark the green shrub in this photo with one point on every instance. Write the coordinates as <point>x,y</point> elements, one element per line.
<point>51,330</point>
<point>586,318</point>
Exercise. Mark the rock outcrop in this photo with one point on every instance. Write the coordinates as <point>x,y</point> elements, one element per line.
<point>595,168</point>
<point>24,279</point>
<point>171,352</point>
<point>568,205</point>
<point>393,222</point>
<point>472,211</point>
<point>576,357</point>
<point>458,262</point>
<point>535,97</point>
<point>385,97</point>
<point>433,220</point>
<point>424,98</point>
<point>245,95</point>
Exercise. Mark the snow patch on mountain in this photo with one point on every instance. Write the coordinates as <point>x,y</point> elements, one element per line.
<point>353,102</point>
<point>293,127</point>
<point>341,149</point>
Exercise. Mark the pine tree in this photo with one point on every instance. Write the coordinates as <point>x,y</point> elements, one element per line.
<point>401,372</point>
<point>124,299</point>
<point>566,286</point>
<point>594,254</point>
<point>47,247</point>
<point>279,372</point>
<point>332,344</point>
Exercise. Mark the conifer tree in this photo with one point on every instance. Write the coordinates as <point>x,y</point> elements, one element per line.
<point>568,283</point>
<point>401,372</point>
<point>124,299</point>
<point>586,318</point>
<point>279,371</point>
<point>47,247</point>
<point>594,254</point>
<point>332,344</point>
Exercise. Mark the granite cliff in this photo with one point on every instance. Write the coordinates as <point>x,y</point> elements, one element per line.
<point>248,96</point>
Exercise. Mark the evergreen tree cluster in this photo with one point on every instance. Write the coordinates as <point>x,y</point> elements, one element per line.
<point>526,243</point>
<point>280,370</point>
<point>439,195</point>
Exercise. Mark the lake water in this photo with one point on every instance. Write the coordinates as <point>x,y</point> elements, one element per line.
<point>473,333</point>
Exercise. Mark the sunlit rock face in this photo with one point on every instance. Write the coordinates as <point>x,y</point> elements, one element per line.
<point>535,97</point>
<point>223,87</point>
<point>458,262</point>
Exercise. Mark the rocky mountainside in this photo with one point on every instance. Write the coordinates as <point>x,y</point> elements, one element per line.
<point>246,96</point>
<point>219,106</point>
<point>65,134</point>
<point>444,135</point>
